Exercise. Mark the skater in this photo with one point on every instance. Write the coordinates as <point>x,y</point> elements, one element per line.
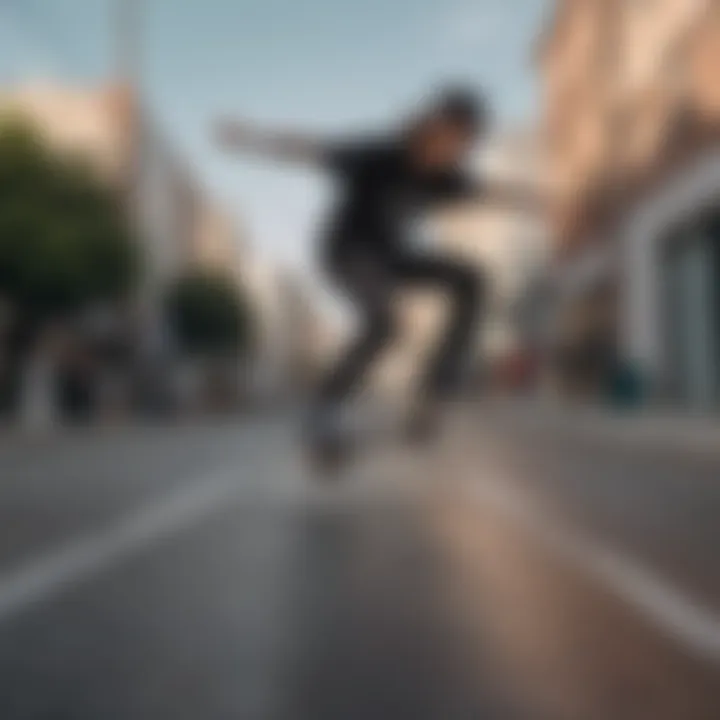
<point>385,183</point>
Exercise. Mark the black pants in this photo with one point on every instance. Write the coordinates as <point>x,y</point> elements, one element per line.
<point>371,284</point>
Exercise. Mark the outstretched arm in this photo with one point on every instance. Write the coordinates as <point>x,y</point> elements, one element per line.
<point>513,195</point>
<point>241,137</point>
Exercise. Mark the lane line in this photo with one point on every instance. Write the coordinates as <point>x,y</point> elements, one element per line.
<point>43,579</point>
<point>670,610</point>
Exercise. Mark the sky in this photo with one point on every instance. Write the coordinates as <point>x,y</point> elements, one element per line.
<point>332,66</point>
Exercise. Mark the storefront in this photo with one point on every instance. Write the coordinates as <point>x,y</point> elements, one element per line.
<point>670,287</point>
<point>690,289</point>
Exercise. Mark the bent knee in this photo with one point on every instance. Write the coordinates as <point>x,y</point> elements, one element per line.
<point>470,285</point>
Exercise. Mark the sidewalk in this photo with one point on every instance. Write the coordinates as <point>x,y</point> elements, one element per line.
<point>652,428</point>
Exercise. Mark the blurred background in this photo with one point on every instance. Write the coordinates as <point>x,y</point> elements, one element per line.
<point>153,287</point>
<point>606,294</point>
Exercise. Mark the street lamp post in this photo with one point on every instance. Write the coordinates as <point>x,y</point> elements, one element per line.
<point>127,42</point>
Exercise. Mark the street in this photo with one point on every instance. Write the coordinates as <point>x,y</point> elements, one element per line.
<point>511,572</point>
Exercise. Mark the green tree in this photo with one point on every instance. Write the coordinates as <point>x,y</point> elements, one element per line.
<point>64,242</point>
<point>209,315</point>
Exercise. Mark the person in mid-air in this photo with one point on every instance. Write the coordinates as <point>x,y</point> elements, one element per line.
<point>385,183</point>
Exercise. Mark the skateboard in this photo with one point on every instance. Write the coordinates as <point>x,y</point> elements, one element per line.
<point>330,458</point>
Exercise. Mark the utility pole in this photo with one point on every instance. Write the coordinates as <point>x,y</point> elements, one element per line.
<point>126,78</point>
<point>127,42</point>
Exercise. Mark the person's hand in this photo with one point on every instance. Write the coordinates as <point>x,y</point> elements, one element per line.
<point>230,134</point>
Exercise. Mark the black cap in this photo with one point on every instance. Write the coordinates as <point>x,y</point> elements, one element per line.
<point>464,106</point>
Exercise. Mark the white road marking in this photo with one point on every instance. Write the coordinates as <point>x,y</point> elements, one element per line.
<point>669,609</point>
<point>45,578</point>
<point>80,559</point>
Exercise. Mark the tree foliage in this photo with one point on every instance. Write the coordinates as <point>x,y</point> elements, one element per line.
<point>208,314</point>
<point>63,239</point>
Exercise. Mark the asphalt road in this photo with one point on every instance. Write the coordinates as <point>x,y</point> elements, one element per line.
<point>199,573</point>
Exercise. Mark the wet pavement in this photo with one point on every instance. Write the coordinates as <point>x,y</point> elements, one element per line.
<point>198,573</point>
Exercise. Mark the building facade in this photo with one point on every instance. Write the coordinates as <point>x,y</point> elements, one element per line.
<point>216,242</point>
<point>108,126</point>
<point>632,127</point>
<point>178,225</point>
<point>286,329</point>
